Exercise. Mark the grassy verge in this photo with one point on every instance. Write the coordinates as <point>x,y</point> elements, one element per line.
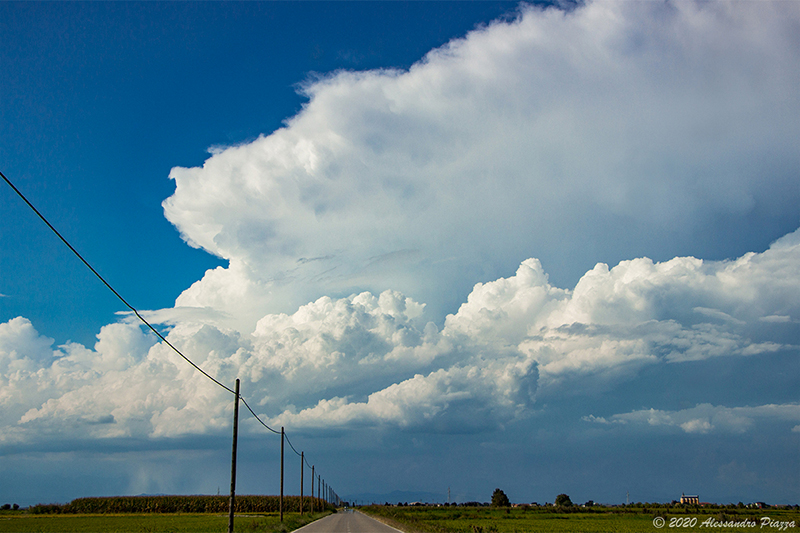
<point>598,520</point>
<point>21,522</point>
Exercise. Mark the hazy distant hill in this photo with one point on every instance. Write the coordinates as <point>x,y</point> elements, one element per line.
<point>396,496</point>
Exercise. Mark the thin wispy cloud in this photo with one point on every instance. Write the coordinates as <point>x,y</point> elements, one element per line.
<point>707,418</point>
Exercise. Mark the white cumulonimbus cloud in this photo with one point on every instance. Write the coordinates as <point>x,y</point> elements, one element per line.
<point>566,136</point>
<point>354,233</point>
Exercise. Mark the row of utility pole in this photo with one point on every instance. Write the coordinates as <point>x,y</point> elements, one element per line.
<point>324,491</point>
<point>329,495</point>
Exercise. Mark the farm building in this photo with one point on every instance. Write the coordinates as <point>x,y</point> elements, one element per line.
<point>690,499</point>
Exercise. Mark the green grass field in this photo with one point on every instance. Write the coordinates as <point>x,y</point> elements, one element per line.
<point>21,522</point>
<point>487,520</point>
<point>413,520</point>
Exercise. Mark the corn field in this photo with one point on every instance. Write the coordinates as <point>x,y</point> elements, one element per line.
<point>179,504</point>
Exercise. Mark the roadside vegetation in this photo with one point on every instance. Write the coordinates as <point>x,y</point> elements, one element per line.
<point>482,518</point>
<point>178,514</point>
<point>152,523</point>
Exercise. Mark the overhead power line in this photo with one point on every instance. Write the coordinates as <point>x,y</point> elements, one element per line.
<point>140,317</point>
<point>118,295</point>
<point>259,419</point>
<point>292,447</point>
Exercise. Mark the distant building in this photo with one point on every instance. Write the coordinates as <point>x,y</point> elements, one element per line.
<point>691,500</point>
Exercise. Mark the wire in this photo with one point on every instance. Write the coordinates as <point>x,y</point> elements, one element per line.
<point>140,317</point>
<point>257,418</point>
<point>129,306</point>
<point>290,445</point>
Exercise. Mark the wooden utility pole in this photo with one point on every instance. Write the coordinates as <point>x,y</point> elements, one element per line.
<point>281,505</point>
<point>302,462</point>
<point>312,489</point>
<point>232,503</point>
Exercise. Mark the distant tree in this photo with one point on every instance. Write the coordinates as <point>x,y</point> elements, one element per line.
<point>562,500</point>
<point>6,507</point>
<point>499,499</point>
<point>589,503</point>
<point>15,506</point>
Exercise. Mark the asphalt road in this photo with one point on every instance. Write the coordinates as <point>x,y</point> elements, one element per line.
<point>347,522</point>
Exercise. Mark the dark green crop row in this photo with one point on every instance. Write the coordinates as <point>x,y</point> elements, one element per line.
<point>179,504</point>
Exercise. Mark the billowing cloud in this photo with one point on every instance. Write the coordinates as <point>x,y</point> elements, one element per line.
<point>356,235</point>
<point>608,131</point>
<point>374,359</point>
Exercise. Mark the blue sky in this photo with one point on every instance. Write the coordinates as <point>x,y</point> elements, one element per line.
<point>556,245</point>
